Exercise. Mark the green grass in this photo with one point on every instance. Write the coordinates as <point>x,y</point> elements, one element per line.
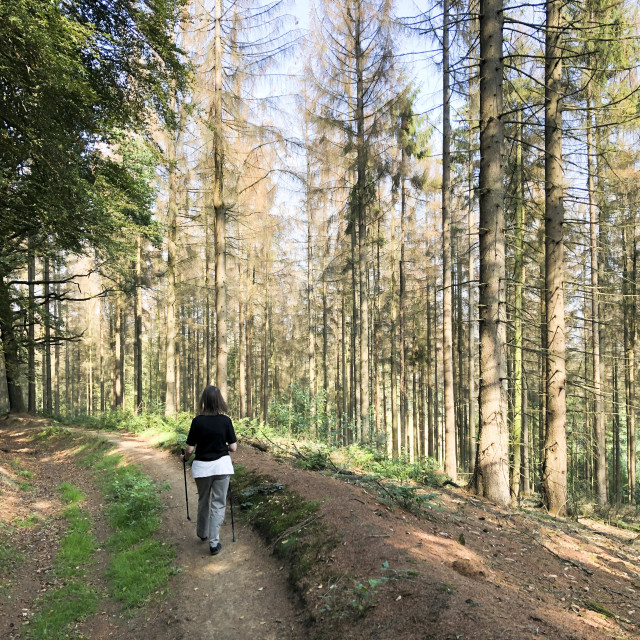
<point>23,473</point>
<point>9,555</point>
<point>30,521</point>
<point>60,608</point>
<point>78,545</point>
<point>138,573</point>
<point>69,493</point>
<point>141,566</point>
<point>54,430</point>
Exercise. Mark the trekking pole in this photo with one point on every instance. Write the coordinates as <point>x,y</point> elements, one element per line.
<point>186,495</point>
<point>233,528</point>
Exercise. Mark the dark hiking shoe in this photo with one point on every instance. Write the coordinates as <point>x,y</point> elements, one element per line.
<point>203,539</point>
<point>215,550</point>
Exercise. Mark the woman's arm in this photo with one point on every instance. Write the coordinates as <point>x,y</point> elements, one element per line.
<point>187,452</point>
<point>233,446</point>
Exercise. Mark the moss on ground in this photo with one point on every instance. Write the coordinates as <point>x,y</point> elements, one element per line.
<point>286,521</point>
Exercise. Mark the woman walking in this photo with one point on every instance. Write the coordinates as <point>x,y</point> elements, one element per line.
<point>213,438</point>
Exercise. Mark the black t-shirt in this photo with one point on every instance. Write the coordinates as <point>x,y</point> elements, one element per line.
<point>211,435</point>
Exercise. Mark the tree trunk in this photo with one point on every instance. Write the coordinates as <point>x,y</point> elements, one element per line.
<point>311,343</point>
<point>491,477</point>
<point>555,464</point>
<point>518,311</point>
<point>220,211</point>
<point>171,399</point>
<point>629,290</point>
<point>471,296</point>
<point>207,296</point>
<point>617,467</point>
<point>402,351</point>
<point>56,382</point>
<point>47,400</point>
<point>362,202</point>
<point>264,398</point>
<point>354,395</point>
<point>450,460</point>
<point>10,350</point>
<point>249,346</point>
<point>396,444</point>
<point>103,401</point>
<point>594,228</point>
<point>242,349</point>
<point>118,352</point>
<point>138,373</point>
<point>31,366</point>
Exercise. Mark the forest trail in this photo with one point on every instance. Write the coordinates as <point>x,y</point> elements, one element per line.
<point>240,593</point>
<point>462,570</point>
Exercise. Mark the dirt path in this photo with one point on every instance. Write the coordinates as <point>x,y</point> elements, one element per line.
<point>464,569</point>
<point>241,593</point>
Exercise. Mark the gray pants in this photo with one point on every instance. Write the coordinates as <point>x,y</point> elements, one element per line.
<point>212,501</point>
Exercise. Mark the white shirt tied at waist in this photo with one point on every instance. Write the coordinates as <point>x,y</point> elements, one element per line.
<point>205,468</point>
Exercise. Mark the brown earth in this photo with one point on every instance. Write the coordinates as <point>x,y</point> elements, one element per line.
<point>467,570</point>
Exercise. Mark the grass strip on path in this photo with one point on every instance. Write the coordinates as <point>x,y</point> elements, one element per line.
<point>141,566</point>
<point>75,600</point>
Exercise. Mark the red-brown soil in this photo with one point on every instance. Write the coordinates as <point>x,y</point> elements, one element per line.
<point>467,571</point>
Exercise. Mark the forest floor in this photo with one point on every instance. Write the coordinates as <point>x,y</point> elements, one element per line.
<point>463,570</point>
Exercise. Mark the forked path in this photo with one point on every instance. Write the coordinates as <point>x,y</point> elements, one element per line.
<point>240,593</point>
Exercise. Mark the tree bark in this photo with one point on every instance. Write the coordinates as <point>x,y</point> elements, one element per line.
<point>471,294</point>
<point>311,343</point>
<point>450,457</point>
<point>47,400</point>
<point>138,372</point>
<point>362,201</point>
<point>555,463</point>
<point>118,353</point>
<point>220,211</point>
<point>171,400</point>
<point>396,445</point>
<point>31,350</point>
<point>629,289</point>
<point>10,350</point>
<point>491,476</point>
<point>594,229</point>
<point>517,322</point>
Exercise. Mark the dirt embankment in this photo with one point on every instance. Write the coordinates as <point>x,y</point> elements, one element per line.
<point>467,570</point>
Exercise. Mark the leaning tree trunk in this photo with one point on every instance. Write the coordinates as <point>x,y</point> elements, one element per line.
<point>554,477</point>
<point>491,475</point>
